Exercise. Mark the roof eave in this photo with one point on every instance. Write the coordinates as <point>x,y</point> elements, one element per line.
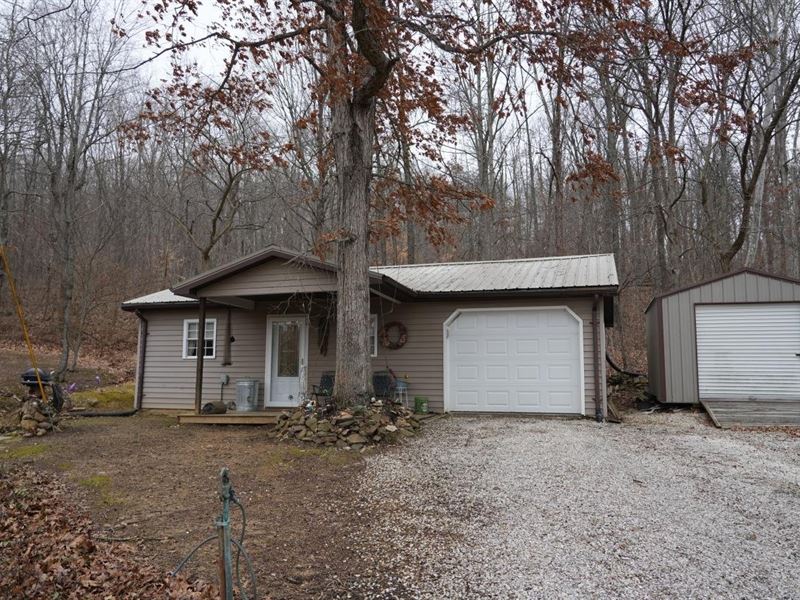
<point>570,291</point>
<point>140,305</point>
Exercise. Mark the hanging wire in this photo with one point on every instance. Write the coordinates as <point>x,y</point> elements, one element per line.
<point>12,286</point>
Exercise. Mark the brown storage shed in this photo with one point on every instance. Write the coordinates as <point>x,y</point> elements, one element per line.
<point>732,338</point>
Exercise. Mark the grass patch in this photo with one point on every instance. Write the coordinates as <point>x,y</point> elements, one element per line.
<point>281,458</point>
<point>300,452</point>
<point>332,456</point>
<point>101,484</point>
<point>25,451</point>
<point>111,397</point>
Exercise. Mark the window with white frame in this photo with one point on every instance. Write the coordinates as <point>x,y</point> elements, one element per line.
<point>373,334</point>
<point>191,329</point>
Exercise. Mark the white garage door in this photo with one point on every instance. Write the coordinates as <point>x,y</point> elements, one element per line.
<point>515,360</point>
<point>748,351</point>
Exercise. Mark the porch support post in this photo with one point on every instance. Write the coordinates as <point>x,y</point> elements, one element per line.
<point>201,352</point>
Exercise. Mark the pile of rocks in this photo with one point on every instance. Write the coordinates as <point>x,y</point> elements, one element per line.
<point>350,429</point>
<point>36,419</point>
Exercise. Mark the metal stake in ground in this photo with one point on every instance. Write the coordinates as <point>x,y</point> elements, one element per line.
<point>223,536</point>
<point>223,524</point>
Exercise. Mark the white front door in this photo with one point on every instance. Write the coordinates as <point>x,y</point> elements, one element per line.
<point>287,357</point>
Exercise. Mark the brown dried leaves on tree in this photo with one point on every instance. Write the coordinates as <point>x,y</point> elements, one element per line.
<point>401,54</point>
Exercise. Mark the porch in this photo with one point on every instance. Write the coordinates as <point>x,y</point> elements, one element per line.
<point>272,324</point>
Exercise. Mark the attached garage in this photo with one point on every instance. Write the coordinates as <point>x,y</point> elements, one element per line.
<point>527,360</point>
<point>734,339</point>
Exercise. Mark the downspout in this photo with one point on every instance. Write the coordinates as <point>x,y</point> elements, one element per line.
<point>201,353</point>
<point>137,401</point>
<point>598,400</point>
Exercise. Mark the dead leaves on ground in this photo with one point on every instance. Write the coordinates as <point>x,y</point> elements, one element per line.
<point>47,550</point>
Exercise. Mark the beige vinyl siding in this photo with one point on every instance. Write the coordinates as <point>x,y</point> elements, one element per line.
<point>169,379</point>
<point>680,358</point>
<point>422,358</point>
<point>273,277</point>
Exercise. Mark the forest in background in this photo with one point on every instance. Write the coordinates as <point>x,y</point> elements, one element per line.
<point>680,156</point>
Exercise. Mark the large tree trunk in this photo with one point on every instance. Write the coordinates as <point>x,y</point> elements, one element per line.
<point>353,135</point>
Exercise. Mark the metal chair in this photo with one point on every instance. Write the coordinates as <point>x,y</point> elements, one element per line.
<point>383,385</point>
<point>323,393</point>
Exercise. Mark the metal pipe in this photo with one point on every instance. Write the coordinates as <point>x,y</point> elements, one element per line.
<point>620,370</point>
<point>143,324</point>
<point>201,352</point>
<point>598,401</point>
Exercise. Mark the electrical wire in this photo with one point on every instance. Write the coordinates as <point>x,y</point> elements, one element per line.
<point>240,549</point>
<point>181,564</point>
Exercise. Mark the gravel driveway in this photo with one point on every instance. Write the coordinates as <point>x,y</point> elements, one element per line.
<point>666,507</point>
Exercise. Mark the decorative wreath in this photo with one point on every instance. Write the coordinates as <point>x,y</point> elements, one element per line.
<point>393,335</point>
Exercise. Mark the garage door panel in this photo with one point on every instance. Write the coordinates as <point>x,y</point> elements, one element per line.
<point>466,399</point>
<point>515,360</point>
<point>560,373</point>
<point>528,320</point>
<point>559,320</point>
<point>497,320</point>
<point>748,351</point>
<point>529,401</point>
<point>560,346</point>
<point>497,347</point>
<point>468,372</point>
<point>528,372</point>
<point>497,372</point>
<point>560,399</point>
<point>498,399</point>
<point>525,346</point>
<point>467,347</point>
<point>467,323</point>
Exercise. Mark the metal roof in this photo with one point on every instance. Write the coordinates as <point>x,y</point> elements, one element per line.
<point>548,273</point>
<point>742,271</point>
<point>162,297</point>
<point>591,271</point>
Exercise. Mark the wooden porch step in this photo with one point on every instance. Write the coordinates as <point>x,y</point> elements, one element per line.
<point>261,417</point>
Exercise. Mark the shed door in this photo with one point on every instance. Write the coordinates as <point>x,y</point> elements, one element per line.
<point>748,351</point>
<point>515,360</point>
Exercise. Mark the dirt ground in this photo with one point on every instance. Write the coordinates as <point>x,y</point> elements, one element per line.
<point>148,481</point>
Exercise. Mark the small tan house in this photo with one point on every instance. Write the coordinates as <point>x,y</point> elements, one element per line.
<point>508,336</point>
